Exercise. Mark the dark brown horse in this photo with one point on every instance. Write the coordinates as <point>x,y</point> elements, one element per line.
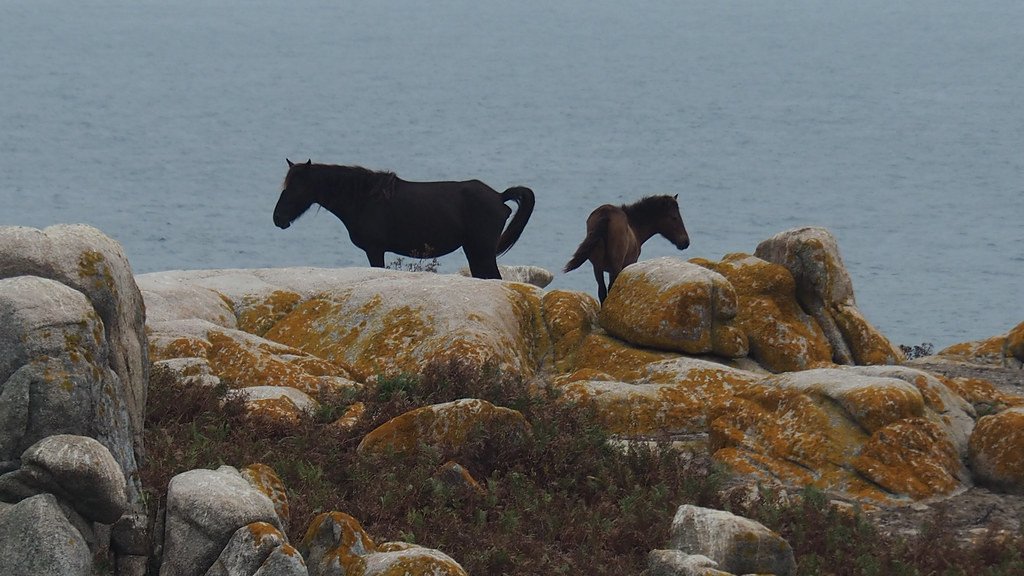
<point>384,213</point>
<point>615,234</point>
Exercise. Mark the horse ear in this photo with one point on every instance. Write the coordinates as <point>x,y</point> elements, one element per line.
<point>676,197</point>
<point>309,162</point>
<point>290,164</point>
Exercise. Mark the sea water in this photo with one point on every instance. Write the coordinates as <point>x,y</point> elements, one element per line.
<point>898,126</point>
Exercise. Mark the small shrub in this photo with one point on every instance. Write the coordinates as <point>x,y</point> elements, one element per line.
<point>418,265</point>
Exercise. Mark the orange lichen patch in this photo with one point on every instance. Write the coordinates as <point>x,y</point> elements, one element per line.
<point>568,312</point>
<point>980,391</point>
<point>867,344</point>
<point>280,409</point>
<point>991,351</point>
<point>785,425</point>
<point>877,407</point>
<point>318,367</point>
<point>615,357</point>
<point>333,541</point>
<point>870,401</point>
<point>745,463</point>
<point>242,365</point>
<point>184,347</point>
<point>257,314</point>
<point>996,450</point>
<point>310,328</point>
<point>351,416</point>
<point>570,317</point>
<point>781,335</point>
<point>265,533</point>
<point>265,479</point>
<point>669,304</point>
<point>451,424</point>
<point>709,379</point>
<point>400,331</point>
<point>639,410</point>
<point>912,457</point>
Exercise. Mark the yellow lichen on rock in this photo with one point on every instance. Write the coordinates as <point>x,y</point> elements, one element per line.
<point>782,337</point>
<point>627,363</point>
<point>307,328</point>
<point>570,317</point>
<point>868,345</point>
<point>912,457</point>
<point>242,364</point>
<point>266,480</point>
<point>258,313</point>
<point>669,304</point>
<point>334,544</point>
<point>872,402</point>
<point>638,410</point>
<point>997,450</point>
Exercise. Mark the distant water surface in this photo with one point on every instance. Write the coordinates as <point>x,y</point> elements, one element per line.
<point>898,126</point>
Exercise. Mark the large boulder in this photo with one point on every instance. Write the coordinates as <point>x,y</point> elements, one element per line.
<point>205,508</point>
<point>672,305</point>
<point>825,290</point>
<point>93,264</point>
<point>258,548</point>
<point>997,450</point>
<point>1003,350</point>
<point>334,543</point>
<point>738,545</point>
<point>78,470</point>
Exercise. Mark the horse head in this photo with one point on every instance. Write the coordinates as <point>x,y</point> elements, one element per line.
<point>296,194</point>
<point>670,224</point>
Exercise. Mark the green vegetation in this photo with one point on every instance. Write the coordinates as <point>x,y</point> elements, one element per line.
<point>561,501</point>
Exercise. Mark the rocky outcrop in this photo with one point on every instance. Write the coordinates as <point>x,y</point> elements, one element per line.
<point>825,290</point>
<point>102,331</point>
<point>73,380</point>
<point>763,360</point>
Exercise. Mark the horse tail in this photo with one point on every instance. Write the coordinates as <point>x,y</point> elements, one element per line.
<point>523,197</point>
<point>582,253</point>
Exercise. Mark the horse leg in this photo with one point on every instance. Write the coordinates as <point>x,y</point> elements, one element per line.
<point>376,258</point>
<point>481,265</point>
<point>602,292</point>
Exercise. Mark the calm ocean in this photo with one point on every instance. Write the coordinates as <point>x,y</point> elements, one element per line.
<point>897,125</point>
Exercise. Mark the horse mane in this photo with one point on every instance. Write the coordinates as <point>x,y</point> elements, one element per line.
<point>650,207</point>
<point>371,183</point>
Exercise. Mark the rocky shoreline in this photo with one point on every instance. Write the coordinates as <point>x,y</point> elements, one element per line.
<point>764,359</point>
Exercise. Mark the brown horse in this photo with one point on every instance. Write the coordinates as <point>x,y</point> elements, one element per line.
<point>384,213</point>
<point>615,234</point>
